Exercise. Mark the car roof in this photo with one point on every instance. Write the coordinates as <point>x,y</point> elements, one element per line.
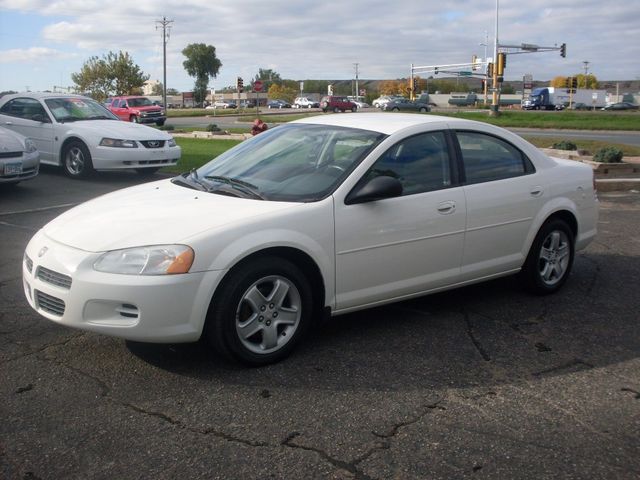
<point>387,123</point>
<point>42,95</point>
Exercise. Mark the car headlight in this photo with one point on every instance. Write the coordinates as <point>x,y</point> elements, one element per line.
<point>29,145</point>
<point>117,143</point>
<point>151,260</point>
<point>171,142</point>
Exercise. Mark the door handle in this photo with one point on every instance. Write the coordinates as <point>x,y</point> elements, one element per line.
<point>8,123</point>
<point>446,208</point>
<point>536,191</point>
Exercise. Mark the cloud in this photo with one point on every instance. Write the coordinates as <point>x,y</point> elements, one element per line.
<point>33,55</point>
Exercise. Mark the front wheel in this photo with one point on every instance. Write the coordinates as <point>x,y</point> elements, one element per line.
<point>134,119</point>
<point>261,312</point>
<point>423,110</point>
<point>550,259</point>
<point>160,123</point>
<point>76,160</point>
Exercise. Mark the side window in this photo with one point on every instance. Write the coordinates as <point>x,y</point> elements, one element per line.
<point>115,103</point>
<point>487,158</point>
<point>25,108</point>
<point>421,163</point>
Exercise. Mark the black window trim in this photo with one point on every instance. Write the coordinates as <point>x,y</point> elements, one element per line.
<point>529,168</point>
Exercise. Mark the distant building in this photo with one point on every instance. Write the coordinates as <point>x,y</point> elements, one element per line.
<point>147,88</point>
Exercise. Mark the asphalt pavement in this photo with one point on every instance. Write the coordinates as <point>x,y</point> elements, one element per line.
<point>483,382</point>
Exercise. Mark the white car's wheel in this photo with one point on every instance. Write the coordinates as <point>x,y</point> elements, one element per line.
<point>550,259</point>
<point>261,312</point>
<point>76,160</point>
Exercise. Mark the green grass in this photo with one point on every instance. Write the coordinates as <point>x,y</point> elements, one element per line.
<point>201,112</point>
<point>198,151</point>
<point>275,118</point>
<point>597,120</point>
<point>591,145</point>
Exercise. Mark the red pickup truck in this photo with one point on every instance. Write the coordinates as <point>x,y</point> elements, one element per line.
<point>136,109</point>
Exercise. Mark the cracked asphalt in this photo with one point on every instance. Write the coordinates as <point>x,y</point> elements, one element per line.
<point>484,382</point>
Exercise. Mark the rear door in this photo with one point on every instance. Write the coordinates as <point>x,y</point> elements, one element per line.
<point>503,196</point>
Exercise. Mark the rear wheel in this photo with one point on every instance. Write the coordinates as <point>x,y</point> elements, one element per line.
<point>423,110</point>
<point>550,259</point>
<point>336,109</point>
<point>395,109</point>
<point>76,160</point>
<point>261,312</point>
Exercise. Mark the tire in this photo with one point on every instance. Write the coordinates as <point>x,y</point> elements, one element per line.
<point>134,119</point>
<point>353,110</point>
<point>160,123</point>
<point>147,172</point>
<point>423,110</point>
<point>241,322</point>
<point>395,109</point>
<point>336,109</point>
<point>550,259</point>
<point>76,160</point>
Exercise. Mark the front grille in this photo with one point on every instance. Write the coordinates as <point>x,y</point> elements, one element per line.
<point>54,278</point>
<point>10,154</point>
<point>153,143</point>
<point>29,263</point>
<point>49,304</point>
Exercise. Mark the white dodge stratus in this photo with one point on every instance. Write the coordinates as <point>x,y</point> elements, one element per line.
<point>81,136</point>
<point>334,213</point>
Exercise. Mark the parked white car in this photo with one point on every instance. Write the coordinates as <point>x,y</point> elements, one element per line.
<point>331,213</point>
<point>19,157</point>
<point>305,102</point>
<point>81,135</point>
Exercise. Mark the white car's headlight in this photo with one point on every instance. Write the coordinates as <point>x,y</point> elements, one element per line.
<point>29,145</point>
<point>117,143</point>
<point>171,143</point>
<point>151,260</point>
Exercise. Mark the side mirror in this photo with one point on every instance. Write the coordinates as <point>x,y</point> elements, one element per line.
<point>38,117</point>
<point>377,188</point>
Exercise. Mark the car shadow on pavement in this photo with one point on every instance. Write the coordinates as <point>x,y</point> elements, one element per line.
<point>482,335</point>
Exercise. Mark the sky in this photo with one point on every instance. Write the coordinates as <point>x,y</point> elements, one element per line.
<point>42,42</point>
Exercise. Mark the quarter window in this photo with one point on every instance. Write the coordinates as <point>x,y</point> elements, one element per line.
<point>487,158</point>
<point>421,163</point>
<point>25,108</point>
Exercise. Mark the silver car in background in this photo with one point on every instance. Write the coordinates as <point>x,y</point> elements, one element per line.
<point>19,157</point>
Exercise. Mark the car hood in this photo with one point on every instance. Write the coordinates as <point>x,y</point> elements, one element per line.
<point>117,129</point>
<point>10,141</point>
<point>152,214</point>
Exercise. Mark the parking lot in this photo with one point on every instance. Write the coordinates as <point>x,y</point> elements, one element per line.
<point>481,382</point>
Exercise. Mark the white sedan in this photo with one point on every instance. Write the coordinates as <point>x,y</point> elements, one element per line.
<point>332,214</point>
<point>19,157</point>
<point>81,136</point>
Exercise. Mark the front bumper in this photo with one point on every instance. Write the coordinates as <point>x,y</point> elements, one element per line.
<point>61,285</point>
<point>29,164</point>
<point>109,158</point>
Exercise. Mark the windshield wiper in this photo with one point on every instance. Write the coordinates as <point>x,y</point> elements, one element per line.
<point>66,119</point>
<point>238,184</point>
<point>98,117</point>
<point>191,180</point>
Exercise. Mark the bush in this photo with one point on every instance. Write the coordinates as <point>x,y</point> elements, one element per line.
<point>565,145</point>
<point>212,127</point>
<point>608,155</point>
<point>167,127</point>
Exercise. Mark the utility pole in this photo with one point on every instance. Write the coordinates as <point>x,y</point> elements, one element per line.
<point>166,29</point>
<point>357,90</point>
<point>494,102</point>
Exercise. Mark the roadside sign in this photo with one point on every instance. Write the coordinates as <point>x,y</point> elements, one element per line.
<point>257,85</point>
<point>464,74</point>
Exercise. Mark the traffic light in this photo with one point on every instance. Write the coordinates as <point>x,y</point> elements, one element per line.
<point>502,62</point>
<point>239,84</point>
<point>563,50</point>
<point>490,70</point>
<point>414,85</point>
<point>574,84</point>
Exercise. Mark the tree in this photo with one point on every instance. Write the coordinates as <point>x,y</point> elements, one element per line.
<point>113,74</point>
<point>172,91</point>
<point>587,81</point>
<point>202,64</point>
<point>268,78</point>
<point>558,82</point>
<point>283,92</point>
<point>157,89</point>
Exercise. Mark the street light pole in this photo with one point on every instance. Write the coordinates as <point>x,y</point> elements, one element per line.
<point>494,104</point>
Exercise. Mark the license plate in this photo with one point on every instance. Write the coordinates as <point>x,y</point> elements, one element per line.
<point>13,168</point>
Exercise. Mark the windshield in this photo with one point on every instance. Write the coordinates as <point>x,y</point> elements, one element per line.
<point>71,109</point>
<point>140,102</point>
<point>294,162</point>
